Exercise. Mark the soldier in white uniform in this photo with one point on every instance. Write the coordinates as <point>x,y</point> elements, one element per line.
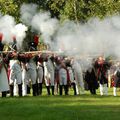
<point>57,67</point>
<point>4,86</point>
<point>15,75</point>
<point>24,79</point>
<point>40,74</point>
<point>63,79</point>
<point>49,73</point>
<point>32,73</point>
<point>78,76</point>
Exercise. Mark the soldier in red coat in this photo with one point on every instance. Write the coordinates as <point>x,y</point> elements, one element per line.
<point>90,78</point>
<point>102,74</point>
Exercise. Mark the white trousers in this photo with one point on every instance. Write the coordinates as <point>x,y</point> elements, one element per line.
<point>32,75</point>
<point>103,89</point>
<point>115,91</point>
<point>15,89</point>
<point>80,89</point>
<point>25,82</point>
<point>24,89</point>
<point>40,74</point>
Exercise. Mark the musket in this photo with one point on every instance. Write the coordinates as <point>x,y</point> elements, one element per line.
<point>38,52</point>
<point>34,52</point>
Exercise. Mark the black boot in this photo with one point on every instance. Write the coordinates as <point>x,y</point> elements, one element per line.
<point>20,90</point>
<point>11,90</point>
<point>52,87</point>
<point>28,89</point>
<point>34,90</point>
<point>37,88</point>
<point>91,91</point>
<point>4,93</point>
<point>60,89</point>
<point>48,90</point>
<point>74,88</point>
<point>40,88</point>
<point>66,89</point>
<point>94,91</point>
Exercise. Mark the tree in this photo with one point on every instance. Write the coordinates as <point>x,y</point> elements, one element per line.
<point>83,10</point>
<point>77,10</point>
<point>10,7</point>
<point>56,7</point>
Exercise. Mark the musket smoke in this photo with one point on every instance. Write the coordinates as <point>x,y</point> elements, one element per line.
<point>19,31</point>
<point>44,24</point>
<point>27,12</point>
<point>6,25</point>
<point>95,37</point>
<point>39,21</point>
<point>9,29</point>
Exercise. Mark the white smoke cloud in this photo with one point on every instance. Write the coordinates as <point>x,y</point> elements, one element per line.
<point>27,12</point>
<point>39,21</point>
<point>9,29</point>
<point>46,25</point>
<point>19,31</point>
<point>94,37</point>
<point>6,25</point>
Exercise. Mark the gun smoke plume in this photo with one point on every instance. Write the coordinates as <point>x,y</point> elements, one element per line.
<point>40,22</point>
<point>96,37</point>
<point>10,29</point>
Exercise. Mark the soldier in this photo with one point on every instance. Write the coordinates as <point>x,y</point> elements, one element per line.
<point>13,44</point>
<point>116,79</point>
<point>63,79</point>
<point>91,79</point>
<point>71,75</point>
<point>40,74</point>
<point>33,45</point>
<point>78,76</point>
<point>4,86</point>
<point>15,75</point>
<point>102,74</point>
<point>25,82</point>
<point>49,73</point>
<point>57,67</point>
<point>32,72</point>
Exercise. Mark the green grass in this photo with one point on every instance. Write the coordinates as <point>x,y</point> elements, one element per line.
<point>82,107</point>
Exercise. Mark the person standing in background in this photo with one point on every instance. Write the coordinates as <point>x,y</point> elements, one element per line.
<point>91,79</point>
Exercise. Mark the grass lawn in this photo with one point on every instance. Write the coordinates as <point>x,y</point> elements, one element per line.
<point>82,107</point>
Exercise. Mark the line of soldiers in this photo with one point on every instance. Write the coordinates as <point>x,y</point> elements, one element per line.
<point>103,74</point>
<point>21,69</point>
<point>19,72</point>
<point>55,72</point>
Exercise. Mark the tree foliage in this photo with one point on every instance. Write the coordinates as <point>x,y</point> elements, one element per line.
<point>10,7</point>
<point>77,10</point>
<point>82,10</point>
